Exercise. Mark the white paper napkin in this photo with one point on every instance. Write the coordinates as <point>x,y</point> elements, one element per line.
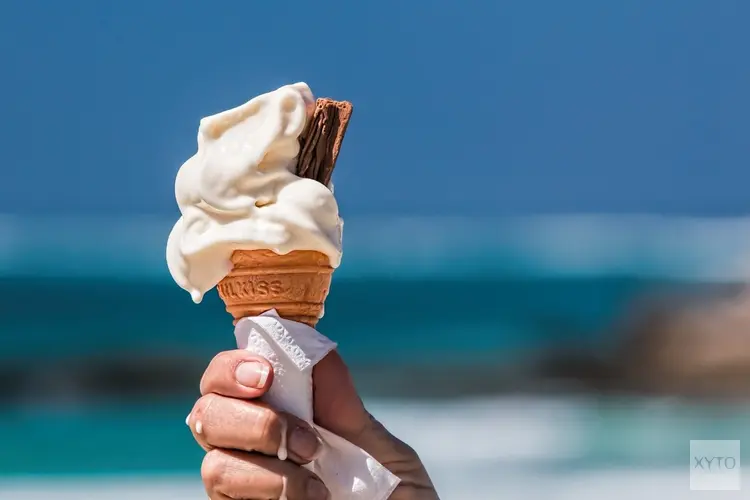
<point>293,349</point>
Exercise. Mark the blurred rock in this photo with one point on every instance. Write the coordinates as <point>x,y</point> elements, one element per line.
<point>693,342</point>
<point>576,370</point>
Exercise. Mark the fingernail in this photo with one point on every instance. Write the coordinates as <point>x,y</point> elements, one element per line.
<point>316,490</point>
<point>187,420</point>
<point>252,374</point>
<point>304,443</point>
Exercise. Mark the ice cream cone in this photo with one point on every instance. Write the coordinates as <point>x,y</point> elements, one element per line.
<point>295,284</point>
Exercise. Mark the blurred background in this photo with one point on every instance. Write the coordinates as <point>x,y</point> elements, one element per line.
<point>546,246</point>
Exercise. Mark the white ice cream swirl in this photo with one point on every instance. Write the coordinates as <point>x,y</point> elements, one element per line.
<point>238,192</point>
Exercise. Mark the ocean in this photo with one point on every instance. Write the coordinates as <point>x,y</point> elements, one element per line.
<point>561,448</point>
<point>446,324</point>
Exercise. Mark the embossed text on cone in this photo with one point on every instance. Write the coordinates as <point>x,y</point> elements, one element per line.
<point>295,284</point>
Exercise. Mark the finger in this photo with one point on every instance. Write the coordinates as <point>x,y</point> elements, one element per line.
<point>237,374</point>
<point>221,422</point>
<point>234,474</point>
<point>337,405</point>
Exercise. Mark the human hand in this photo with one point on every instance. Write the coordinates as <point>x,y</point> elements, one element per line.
<point>242,435</point>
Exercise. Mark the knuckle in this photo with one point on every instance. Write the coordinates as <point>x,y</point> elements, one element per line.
<point>410,453</point>
<point>211,375</point>
<point>203,420</point>
<point>213,469</point>
<point>200,409</point>
<point>402,449</point>
<point>408,460</point>
<point>304,484</point>
<point>266,425</point>
<point>223,358</point>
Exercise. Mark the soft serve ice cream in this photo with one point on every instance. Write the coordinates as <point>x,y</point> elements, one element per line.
<point>239,192</point>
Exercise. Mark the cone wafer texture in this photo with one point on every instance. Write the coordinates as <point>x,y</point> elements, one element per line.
<point>295,284</point>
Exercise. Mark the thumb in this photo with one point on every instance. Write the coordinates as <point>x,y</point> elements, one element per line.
<point>336,403</point>
<point>339,409</point>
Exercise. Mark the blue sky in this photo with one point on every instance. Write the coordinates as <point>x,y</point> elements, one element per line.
<point>473,106</point>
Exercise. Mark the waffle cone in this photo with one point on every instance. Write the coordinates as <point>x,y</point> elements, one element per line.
<point>295,284</point>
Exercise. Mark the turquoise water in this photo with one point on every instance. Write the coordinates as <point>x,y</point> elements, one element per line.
<point>370,318</point>
<point>100,356</point>
<point>88,418</point>
<point>565,433</point>
<point>143,438</point>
